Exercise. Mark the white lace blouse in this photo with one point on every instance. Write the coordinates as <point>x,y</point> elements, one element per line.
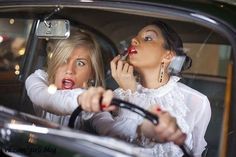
<point>54,107</point>
<point>188,106</point>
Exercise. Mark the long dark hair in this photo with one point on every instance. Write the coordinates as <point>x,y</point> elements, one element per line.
<point>173,42</point>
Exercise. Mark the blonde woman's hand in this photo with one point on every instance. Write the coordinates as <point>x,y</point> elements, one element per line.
<point>90,100</point>
<point>167,130</point>
<point>123,73</point>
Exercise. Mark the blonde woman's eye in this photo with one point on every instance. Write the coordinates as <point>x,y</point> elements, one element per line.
<point>80,63</point>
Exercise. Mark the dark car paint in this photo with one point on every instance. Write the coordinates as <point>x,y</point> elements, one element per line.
<point>43,138</point>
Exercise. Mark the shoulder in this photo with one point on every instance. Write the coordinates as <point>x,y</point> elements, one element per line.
<point>190,91</point>
<point>193,97</point>
<point>40,73</point>
<point>39,76</point>
<point>198,103</point>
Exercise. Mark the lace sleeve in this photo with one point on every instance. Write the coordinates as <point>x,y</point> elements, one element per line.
<point>122,94</point>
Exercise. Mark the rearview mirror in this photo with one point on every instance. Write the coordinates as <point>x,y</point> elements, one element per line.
<point>53,29</point>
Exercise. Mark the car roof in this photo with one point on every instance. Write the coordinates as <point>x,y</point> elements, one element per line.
<point>217,8</point>
<point>210,11</point>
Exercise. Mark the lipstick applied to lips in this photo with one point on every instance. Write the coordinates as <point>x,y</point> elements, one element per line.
<point>132,50</point>
<point>128,51</point>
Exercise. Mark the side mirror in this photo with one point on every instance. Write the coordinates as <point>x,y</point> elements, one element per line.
<point>53,29</point>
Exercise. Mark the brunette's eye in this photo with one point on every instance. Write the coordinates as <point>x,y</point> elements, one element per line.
<point>147,38</point>
<point>80,63</point>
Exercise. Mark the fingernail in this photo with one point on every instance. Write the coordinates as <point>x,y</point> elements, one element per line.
<point>158,109</point>
<point>103,106</point>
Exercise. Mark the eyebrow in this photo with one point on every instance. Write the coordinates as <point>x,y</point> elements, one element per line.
<point>82,59</point>
<point>152,30</point>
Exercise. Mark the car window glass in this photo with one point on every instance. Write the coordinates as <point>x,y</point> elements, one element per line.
<point>211,58</point>
<point>13,39</point>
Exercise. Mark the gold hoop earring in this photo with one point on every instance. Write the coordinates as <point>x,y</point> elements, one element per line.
<point>161,73</point>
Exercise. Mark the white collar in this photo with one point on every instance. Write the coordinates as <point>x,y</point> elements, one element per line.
<point>161,90</point>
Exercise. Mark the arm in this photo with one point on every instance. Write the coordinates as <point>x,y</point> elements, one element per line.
<point>167,129</point>
<point>63,102</point>
<point>200,127</point>
<point>136,129</point>
<point>103,122</point>
<point>126,123</point>
<point>107,125</point>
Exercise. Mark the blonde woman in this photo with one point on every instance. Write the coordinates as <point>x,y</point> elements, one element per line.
<point>75,63</point>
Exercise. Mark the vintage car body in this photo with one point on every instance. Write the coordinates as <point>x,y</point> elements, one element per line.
<point>208,29</point>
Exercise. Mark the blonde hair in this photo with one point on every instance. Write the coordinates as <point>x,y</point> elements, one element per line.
<point>63,49</point>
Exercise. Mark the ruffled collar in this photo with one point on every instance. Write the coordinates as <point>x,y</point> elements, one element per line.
<point>163,90</point>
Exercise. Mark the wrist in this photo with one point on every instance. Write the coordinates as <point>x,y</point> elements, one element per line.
<point>144,140</point>
<point>132,89</point>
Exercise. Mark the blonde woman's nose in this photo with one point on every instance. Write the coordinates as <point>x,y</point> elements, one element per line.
<point>68,72</point>
<point>69,69</point>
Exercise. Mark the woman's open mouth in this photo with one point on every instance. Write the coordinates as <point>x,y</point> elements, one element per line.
<point>132,50</point>
<point>67,84</point>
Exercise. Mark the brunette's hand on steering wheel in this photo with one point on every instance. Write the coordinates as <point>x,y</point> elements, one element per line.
<point>167,129</point>
<point>123,73</point>
<point>96,99</point>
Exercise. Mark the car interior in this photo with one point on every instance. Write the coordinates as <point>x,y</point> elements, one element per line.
<point>114,29</point>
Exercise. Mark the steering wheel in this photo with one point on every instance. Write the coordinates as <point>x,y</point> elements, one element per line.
<point>134,108</point>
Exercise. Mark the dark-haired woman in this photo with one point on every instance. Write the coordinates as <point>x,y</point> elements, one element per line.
<point>154,53</point>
